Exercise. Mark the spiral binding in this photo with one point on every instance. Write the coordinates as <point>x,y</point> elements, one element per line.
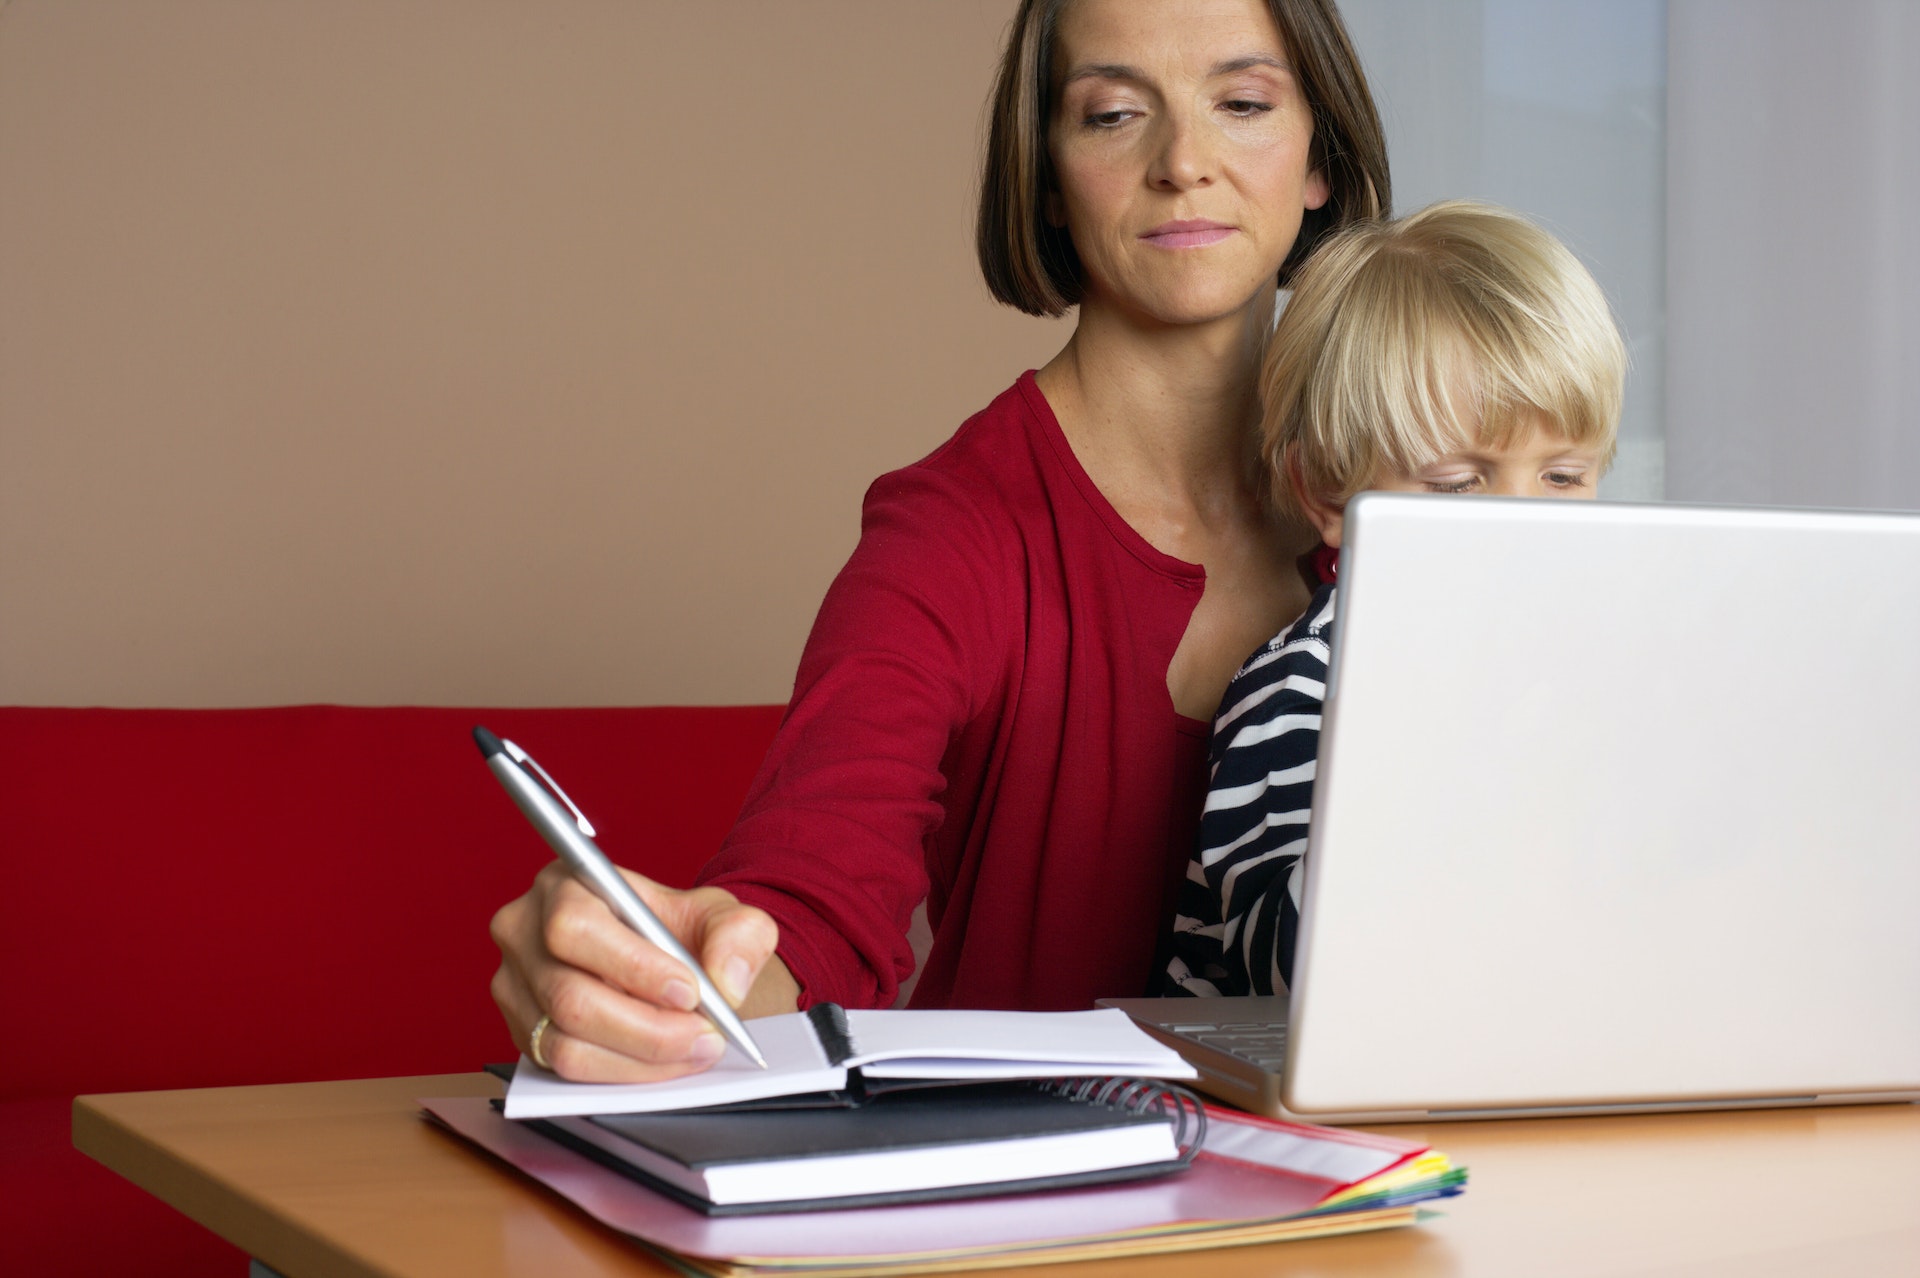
<point>1142,1096</point>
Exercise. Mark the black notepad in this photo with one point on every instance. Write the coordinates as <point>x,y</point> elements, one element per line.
<point>929,1143</point>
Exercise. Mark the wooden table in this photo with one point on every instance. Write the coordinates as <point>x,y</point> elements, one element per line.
<point>329,1180</point>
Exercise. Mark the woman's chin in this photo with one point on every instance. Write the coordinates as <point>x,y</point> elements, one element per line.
<point>1201,309</point>
<point>1199,299</point>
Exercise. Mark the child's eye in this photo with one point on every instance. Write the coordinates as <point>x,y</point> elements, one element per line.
<point>1466,485</point>
<point>1567,478</point>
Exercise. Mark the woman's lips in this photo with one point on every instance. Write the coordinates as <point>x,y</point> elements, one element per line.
<point>1190,234</point>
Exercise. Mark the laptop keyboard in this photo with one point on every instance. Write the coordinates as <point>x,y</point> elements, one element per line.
<point>1261,1045</point>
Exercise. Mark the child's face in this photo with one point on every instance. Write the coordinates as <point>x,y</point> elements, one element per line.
<point>1540,463</point>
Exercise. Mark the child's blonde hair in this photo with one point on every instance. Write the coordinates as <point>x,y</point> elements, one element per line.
<point>1406,340</point>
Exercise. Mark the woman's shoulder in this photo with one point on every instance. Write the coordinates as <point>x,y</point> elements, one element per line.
<point>941,570</point>
<point>1000,439</point>
<point>965,504</point>
<point>991,469</point>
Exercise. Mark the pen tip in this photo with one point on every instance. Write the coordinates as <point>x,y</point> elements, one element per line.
<point>488,743</point>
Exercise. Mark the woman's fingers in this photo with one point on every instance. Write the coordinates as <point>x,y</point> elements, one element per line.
<point>579,930</point>
<point>574,1057</point>
<point>585,1062</point>
<point>732,941</point>
<point>600,1034</point>
<point>618,1008</point>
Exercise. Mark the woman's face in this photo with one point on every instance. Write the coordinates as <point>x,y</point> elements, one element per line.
<point>1180,143</point>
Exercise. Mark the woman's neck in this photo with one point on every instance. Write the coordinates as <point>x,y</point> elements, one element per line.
<point>1161,416</point>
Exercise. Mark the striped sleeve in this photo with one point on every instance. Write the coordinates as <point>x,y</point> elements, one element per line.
<point>1239,907</point>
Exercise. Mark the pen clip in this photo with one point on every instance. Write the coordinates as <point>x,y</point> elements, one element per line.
<point>518,755</point>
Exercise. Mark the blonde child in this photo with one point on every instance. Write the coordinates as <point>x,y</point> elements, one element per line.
<point>1458,350</point>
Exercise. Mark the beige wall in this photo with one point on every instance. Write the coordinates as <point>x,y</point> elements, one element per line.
<point>467,351</point>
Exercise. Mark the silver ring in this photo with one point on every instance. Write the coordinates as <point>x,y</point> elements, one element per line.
<point>539,1056</point>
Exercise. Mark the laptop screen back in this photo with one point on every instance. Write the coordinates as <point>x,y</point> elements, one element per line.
<point>1615,804</point>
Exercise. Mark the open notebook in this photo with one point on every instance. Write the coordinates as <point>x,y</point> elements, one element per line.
<point>827,1055</point>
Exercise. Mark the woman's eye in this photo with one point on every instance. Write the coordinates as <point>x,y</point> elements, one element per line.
<point>1107,119</point>
<point>1246,106</point>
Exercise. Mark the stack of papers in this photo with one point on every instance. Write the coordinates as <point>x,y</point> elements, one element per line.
<point>883,1142</point>
<point>1254,1180</point>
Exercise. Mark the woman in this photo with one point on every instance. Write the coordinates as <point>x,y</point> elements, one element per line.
<point>1003,706</point>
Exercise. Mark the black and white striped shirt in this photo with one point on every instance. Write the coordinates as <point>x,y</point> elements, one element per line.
<point>1239,909</point>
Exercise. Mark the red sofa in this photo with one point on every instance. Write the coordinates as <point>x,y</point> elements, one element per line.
<point>212,897</point>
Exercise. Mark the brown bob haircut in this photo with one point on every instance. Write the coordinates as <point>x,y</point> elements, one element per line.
<point>1031,265</point>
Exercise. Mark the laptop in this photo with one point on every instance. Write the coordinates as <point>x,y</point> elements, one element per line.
<point>1617,810</point>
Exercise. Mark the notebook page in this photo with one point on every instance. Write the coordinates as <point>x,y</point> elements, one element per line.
<point>795,1066</point>
<point>976,1044</point>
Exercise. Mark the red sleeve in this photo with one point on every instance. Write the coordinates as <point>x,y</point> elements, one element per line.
<point>908,646</point>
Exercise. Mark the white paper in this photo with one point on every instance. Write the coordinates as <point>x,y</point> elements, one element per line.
<point>1077,1044</point>
<point>795,1066</point>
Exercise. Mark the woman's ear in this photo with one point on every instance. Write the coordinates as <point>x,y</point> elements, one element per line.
<point>1326,517</point>
<point>1318,189</point>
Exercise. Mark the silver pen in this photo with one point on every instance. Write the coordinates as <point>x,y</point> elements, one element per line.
<point>570,835</point>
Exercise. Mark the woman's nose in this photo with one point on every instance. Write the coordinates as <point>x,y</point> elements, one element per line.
<point>1183,158</point>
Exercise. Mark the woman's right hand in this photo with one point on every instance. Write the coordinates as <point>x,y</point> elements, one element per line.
<point>619,1009</point>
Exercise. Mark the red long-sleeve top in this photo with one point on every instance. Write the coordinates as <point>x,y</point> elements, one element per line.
<point>981,718</point>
